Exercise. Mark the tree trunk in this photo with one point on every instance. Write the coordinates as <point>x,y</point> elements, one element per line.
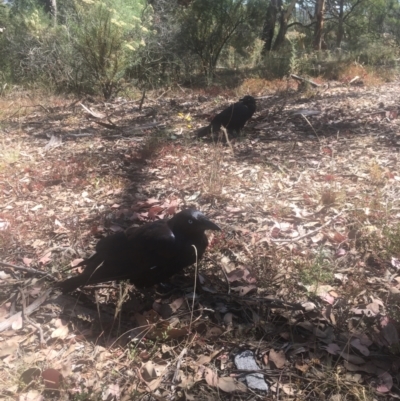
<point>54,11</point>
<point>340,31</point>
<point>269,24</point>
<point>283,21</point>
<point>319,16</point>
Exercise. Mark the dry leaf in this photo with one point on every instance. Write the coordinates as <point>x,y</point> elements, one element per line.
<point>386,382</point>
<point>356,343</point>
<point>211,377</point>
<point>52,379</point>
<point>27,261</point>
<point>112,392</point>
<point>357,360</point>
<point>303,368</point>
<point>9,346</point>
<point>32,395</point>
<point>214,332</point>
<point>203,360</point>
<point>278,358</point>
<point>229,384</point>
<point>288,389</point>
<point>18,323</point>
<point>60,332</point>
<point>332,348</point>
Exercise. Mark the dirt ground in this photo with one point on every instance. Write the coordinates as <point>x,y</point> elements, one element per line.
<point>297,296</point>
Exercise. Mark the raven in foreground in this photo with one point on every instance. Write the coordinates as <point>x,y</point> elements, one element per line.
<point>148,255</point>
<point>232,118</point>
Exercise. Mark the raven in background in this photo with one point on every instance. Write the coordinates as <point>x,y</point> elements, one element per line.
<point>232,118</point>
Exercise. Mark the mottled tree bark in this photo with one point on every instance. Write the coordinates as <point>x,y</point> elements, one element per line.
<point>340,31</point>
<point>269,24</point>
<point>319,16</point>
<point>284,22</point>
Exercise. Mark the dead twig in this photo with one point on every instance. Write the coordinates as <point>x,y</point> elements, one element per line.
<point>223,129</point>
<point>227,279</point>
<point>142,100</point>
<point>178,365</point>
<point>308,122</point>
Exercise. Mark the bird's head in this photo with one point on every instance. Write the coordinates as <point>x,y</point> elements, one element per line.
<point>248,100</point>
<point>191,221</point>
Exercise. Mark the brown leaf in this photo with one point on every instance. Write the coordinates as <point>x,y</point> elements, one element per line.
<point>5,310</point>
<point>214,332</point>
<point>144,355</point>
<point>141,320</point>
<point>375,306</point>
<point>243,290</point>
<point>337,237</point>
<point>199,374</point>
<point>165,310</point>
<point>288,389</point>
<point>52,379</point>
<point>211,377</point>
<point>356,343</point>
<point>357,360</point>
<point>303,368</point>
<point>351,367</point>
<point>27,261</point>
<point>177,333</point>
<point>278,358</point>
<point>229,384</point>
<point>148,371</point>
<point>60,332</point>
<point>203,360</point>
<point>46,258</point>
<point>333,348</point>
<point>154,211</point>
<point>241,274</point>
<point>76,262</point>
<point>386,382</point>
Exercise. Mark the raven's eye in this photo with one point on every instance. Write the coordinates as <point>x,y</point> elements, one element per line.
<point>190,221</point>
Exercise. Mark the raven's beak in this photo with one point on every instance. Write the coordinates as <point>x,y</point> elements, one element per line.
<point>209,225</point>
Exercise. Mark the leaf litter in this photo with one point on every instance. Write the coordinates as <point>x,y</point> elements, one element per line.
<point>303,278</point>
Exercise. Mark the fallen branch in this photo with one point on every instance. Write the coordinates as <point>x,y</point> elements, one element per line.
<point>354,79</point>
<point>24,269</point>
<point>301,79</point>
<point>94,114</point>
<point>309,233</point>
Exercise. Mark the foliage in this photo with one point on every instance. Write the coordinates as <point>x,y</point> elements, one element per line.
<point>207,26</point>
<point>100,46</point>
<point>90,52</point>
<point>106,36</point>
